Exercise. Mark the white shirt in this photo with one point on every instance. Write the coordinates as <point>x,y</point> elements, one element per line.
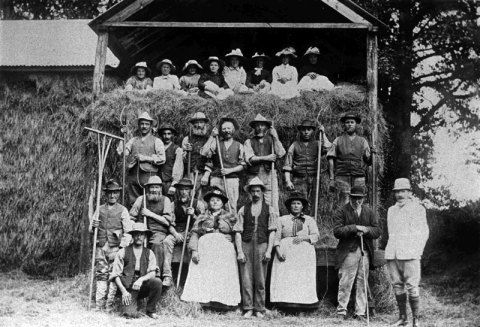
<point>407,231</point>
<point>166,82</point>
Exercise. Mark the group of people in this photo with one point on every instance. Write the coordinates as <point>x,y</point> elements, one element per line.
<point>190,192</point>
<point>219,78</point>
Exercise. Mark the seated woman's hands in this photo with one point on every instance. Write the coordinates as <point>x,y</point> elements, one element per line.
<point>280,254</point>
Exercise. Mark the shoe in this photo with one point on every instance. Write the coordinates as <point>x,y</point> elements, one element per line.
<point>153,315</point>
<point>415,322</point>
<point>167,281</point>
<point>360,318</point>
<point>259,314</point>
<point>109,309</point>
<point>248,314</point>
<point>342,316</point>
<point>401,321</point>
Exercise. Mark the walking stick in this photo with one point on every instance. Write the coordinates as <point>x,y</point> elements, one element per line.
<point>102,156</point>
<point>189,162</point>
<point>365,278</point>
<point>186,230</point>
<point>221,167</point>
<point>317,184</point>
<point>144,217</point>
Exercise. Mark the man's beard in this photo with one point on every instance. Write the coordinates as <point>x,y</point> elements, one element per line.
<point>200,131</point>
<point>227,136</point>
<point>183,199</point>
<point>305,138</point>
<point>255,198</point>
<point>154,196</point>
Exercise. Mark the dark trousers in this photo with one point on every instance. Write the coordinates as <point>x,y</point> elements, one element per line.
<point>156,245</point>
<point>151,289</point>
<point>306,185</point>
<point>253,274</point>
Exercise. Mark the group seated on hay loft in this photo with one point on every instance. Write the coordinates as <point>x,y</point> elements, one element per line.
<point>219,80</point>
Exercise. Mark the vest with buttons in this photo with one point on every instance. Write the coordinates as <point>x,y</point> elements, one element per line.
<point>260,149</point>
<point>167,167</point>
<point>144,147</point>
<point>305,158</point>
<point>196,161</point>
<point>157,208</point>
<point>230,158</point>
<point>110,229</point>
<point>129,261</point>
<point>349,160</point>
<point>181,216</point>
<point>249,223</point>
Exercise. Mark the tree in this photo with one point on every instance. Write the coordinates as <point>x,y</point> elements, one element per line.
<point>428,66</point>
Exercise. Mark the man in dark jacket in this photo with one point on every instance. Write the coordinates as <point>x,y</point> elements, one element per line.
<point>172,170</point>
<point>353,221</point>
<point>134,273</point>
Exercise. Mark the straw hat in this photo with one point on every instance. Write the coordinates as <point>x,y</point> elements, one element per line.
<point>191,63</point>
<point>402,184</point>
<point>312,50</point>
<point>358,191</point>
<point>260,119</point>
<point>168,62</point>
<point>260,55</point>
<point>307,123</point>
<point>351,115</point>
<point>229,119</point>
<point>220,62</point>
<point>112,186</point>
<point>139,228</point>
<point>198,116</point>
<point>184,182</point>
<point>145,116</point>
<point>154,180</point>
<point>167,127</point>
<point>216,192</point>
<point>296,195</point>
<point>287,52</point>
<point>235,53</point>
<point>141,64</point>
<point>255,182</point>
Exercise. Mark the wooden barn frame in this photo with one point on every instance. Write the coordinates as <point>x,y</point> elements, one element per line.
<point>119,30</point>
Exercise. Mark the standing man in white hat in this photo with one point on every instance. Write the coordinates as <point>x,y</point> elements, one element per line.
<point>261,152</point>
<point>407,235</point>
<point>145,154</point>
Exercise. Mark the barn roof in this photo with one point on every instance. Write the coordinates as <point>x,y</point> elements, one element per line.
<point>48,44</point>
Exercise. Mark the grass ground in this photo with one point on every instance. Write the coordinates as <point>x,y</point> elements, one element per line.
<point>62,302</point>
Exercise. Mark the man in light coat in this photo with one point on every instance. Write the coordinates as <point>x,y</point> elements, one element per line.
<point>407,234</point>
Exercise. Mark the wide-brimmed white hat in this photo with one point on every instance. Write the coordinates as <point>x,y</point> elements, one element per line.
<point>312,50</point>
<point>287,52</point>
<point>191,62</point>
<point>255,182</point>
<point>168,62</point>
<point>146,116</point>
<point>402,184</point>
<point>235,53</point>
<point>260,55</point>
<point>141,64</point>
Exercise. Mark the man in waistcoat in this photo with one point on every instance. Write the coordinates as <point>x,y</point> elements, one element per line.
<point>231,156</point>
<point>191,146</point>
<point>261,151</point>
<point>181,211</point>
<point>348,158</point>
<point>134,273</point>
<point>300,166</point>
<point>113,223</point>
<point>172,170</point>
<point>158,213</point>
<point>145,154</point>
<point>254,238</point>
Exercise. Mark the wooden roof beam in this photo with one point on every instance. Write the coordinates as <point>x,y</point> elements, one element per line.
<point>346,12</point>
<point>129,10</point>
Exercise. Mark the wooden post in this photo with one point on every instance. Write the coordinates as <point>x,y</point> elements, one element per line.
<point>100,58</point>
<point>372,86</point>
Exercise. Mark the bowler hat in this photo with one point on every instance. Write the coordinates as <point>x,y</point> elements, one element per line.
<point>307,123</point>
<point>184,182</point>
<point>402,184</point>
<point>154,180</point>
<point>357,191</point>
<point>139,228</point>
<point>260,119</point>
<point>168,62</point>
<point>255,182</point>
<point>167,127</point>
<point>296,195</point>
<point>112,186</point>
<point>198,116</point>
<point>351,115</point>
<point>215,192</point>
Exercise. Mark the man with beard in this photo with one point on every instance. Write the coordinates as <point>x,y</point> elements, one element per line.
<point>172,170</point>
<point>300,166</point>
<point>134,273</point>
<point>113,223</point>
<point>145,154</point>
<point>191,148</point>
<point>181,210</point>
<point>352,221</point>
<point>231,156</point>
<point>158,213</point>
<point>348,158</point>
<point>260,152</point>
<point>254,238</point>
<point>407,235</point>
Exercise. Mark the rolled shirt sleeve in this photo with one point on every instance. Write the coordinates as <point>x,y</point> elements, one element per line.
<point>177,172</point>
<point>152,262</point>
<point>278,233</point>
<point>238,227</point>
<point>209,148</point>
<point>127,224</point>
<point>168,210</point>
<point>136,208</point>
<point>241,155</point>
<point>159,155</point>
<point>248,151</point>
<point>332,152</point>
<point>288,165</point>
<point>117,266</point>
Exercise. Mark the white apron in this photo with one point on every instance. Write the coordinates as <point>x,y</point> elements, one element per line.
<point>294,280</point>
<point>215,277</point>
<point>320,83</point>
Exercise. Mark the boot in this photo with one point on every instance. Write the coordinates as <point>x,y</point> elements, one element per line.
<point>415,306</point>
<point>402,308</point>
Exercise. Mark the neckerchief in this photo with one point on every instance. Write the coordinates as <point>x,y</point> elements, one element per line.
<point>297,224</point>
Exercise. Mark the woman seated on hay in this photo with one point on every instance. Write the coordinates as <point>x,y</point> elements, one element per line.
<point>213,278</point>
<point>293,281</point>
<point>259,79</point>
<point>167,81</point>
<point>312,73</point>
<point>191,75</point>
<point>234,74</point>
<point>212,83</point>
<point>285,76</point>
<point>139,79</point>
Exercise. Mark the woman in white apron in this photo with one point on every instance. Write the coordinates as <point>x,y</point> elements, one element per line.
<point>285,76</point>
<point>293,281</point>
<point>213,278</point>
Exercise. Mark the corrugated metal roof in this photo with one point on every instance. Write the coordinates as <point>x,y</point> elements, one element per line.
<point>49,43</point>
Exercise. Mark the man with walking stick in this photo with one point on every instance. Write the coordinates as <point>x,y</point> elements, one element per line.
<point>261,153</point>
<point>227,160</point>
<point>301,164</point>
<point>113,223</point>
<point>407,235</point>
<point>356,226</point>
